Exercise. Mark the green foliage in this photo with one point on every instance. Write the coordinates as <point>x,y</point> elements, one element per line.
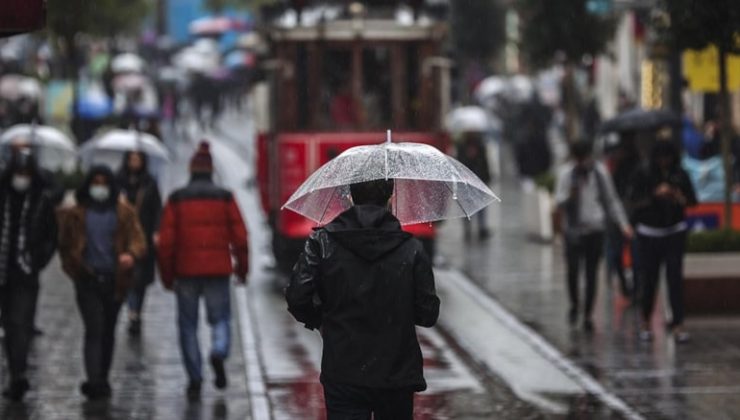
<point>714,241</point>
<point>67,18</point>
<point>552,27</point>
<point>478,28</point>
<point>698,23</point>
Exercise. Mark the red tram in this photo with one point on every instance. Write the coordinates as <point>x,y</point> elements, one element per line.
<point>338,84</point>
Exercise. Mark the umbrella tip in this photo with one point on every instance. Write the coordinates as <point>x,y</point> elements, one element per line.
<point>388,136</point>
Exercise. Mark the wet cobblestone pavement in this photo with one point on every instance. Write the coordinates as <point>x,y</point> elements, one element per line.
<point>660,379</point>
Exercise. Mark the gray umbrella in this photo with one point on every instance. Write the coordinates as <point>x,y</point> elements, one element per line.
<point>638,119</point>
<point>429,185</point>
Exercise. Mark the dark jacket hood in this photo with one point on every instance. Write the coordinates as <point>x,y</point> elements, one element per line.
<point>368,231</point>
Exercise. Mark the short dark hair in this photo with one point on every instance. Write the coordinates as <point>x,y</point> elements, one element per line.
<point>581,149</point>
<point>376,192</point>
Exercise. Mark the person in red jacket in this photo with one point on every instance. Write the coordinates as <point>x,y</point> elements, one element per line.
<point>200,233</point>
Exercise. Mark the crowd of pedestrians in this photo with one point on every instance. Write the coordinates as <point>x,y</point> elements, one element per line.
<point>108,242</point>
<point>642,205</point>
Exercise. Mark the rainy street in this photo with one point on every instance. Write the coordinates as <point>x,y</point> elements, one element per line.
<point>486,359</point>
<point>369,209</point>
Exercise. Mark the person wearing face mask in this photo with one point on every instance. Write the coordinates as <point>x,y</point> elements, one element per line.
<point>586,199</point>
<point>27,244</point>
<point>100,240</point>
<point>142,192</point>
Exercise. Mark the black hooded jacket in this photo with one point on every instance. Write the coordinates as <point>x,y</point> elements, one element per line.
<point>366,284</point>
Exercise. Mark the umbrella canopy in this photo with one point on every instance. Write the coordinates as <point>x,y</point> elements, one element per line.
<point>94,105</point>
<point>10,86</point>
<point>468,118</point>
<point>195,60</point>
<point>129,82</point>
<point>121,141</point>
<point>55,149</point>
<point>210,25</point>
<point>489,90</point>
<point>429,185</point>
<point>638,119</point>
<point>127,63</point>
<point>30,88</point>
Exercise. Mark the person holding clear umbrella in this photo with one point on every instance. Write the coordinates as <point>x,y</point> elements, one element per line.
<point>362,281</point>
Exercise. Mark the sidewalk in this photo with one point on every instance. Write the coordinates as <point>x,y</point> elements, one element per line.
<point>698,380</point>
<point>148,378</point>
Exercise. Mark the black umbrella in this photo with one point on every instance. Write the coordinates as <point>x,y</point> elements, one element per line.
<point>639,119</point>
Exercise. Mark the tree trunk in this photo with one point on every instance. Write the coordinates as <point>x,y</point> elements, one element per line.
<point>726,134</point>
<point>571,105</point>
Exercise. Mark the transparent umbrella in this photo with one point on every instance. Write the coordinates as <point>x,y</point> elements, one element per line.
<point>54,148</point>
<point>109,148</point>
<point>429,185</point>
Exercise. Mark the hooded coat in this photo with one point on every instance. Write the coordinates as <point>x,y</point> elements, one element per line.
<point>40,224</point>
<point>366,284</point>
<point>129,237</point>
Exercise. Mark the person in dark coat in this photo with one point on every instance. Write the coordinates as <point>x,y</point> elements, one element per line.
<point>142,192</point>
<point>662,191</point>
<point>365,284</point>
<point>202,242</point>
<point>472,152</point>
<point>100,240</point>
<point>27,244</point>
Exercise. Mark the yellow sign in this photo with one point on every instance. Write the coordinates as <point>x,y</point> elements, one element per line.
<point>701,68</point>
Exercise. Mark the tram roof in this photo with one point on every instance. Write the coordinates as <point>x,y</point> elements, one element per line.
<point>361,29</point>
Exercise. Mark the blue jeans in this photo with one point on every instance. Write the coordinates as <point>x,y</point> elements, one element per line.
<point>215,291</point>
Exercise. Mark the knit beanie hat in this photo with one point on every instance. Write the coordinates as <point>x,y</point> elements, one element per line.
<point>202,161</point>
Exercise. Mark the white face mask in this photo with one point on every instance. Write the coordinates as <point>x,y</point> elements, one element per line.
<point>21,183</point>
<point>99,193</point>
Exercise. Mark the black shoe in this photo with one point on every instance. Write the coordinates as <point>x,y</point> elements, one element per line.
<point>134,328</point>
<point>93,391</point>
<point>193,391</point>
<point>588,325</point>
<point>572,317</point>
<point>218,368</point>
<point>37,332</point>
<point>17,390</point>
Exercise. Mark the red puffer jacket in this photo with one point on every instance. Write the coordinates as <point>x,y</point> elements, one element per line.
<point>200,232</point>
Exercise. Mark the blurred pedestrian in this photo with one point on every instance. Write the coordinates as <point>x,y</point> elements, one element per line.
<point>27,242</point>
<point>100,239</point>
<point>201,232</point>
<point>365,284</point>
<point>586,198</point>
<point>472,152</point>
<point>662,192</point>
<point>623,162</point>
<point>142,192</point>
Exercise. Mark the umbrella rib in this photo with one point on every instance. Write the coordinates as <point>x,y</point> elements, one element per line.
<point>458,201</point>
<point>321,219</point>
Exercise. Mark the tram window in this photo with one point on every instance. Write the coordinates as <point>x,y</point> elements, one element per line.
<point>377,87</point>
<point>339,108</point>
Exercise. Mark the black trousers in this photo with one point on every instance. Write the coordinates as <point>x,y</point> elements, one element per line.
<point>99,310</point>
<point>586,249</point>
<point>654,253</point>
<point>349,402</point>
<point>18,301</point>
